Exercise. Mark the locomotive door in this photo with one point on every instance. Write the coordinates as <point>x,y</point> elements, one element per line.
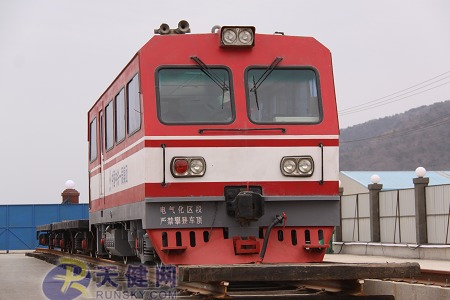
<point>102,161</point>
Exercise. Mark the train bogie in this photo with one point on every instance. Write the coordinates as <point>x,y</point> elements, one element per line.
<point>125,239</point>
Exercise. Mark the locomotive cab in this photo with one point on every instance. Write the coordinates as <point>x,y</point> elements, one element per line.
<point>223,149</point>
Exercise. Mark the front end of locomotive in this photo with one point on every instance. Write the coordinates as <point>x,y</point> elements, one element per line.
<point>231,151</point>
<point>245,141</point>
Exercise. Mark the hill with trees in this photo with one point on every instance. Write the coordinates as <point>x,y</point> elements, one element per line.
<point>403,142</point>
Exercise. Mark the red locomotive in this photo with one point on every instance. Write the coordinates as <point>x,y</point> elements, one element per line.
<point>216,148</point>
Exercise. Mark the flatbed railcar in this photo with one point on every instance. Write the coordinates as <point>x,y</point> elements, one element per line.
<point>216,148</point>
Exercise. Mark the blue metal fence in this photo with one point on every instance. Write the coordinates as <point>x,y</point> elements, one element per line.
<point>18,222</point>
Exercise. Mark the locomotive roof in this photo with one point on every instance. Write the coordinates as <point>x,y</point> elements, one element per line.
<point>156,36</point>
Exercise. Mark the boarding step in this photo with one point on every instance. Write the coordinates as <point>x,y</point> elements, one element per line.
<point>246,245</point>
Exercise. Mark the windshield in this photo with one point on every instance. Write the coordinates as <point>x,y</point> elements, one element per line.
<point>285,96</point>
<point>189,96</point>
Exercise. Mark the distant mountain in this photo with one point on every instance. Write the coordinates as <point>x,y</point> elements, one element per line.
<point>403,142</point>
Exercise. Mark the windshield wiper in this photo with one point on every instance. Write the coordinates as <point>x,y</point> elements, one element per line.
<point>267,72</point>
<point>205,69</point>
<point>213,76</point>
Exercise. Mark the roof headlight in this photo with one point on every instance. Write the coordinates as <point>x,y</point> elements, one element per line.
<point>237,36</point>
<point>245,36</point>
<point>229,36</point>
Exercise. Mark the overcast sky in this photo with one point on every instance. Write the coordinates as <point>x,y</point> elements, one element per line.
<point>57,57</point>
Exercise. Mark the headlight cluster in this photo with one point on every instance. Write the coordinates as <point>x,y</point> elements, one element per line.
<point>299,166</point>
<point>188,166</point>
<point>237,36</point>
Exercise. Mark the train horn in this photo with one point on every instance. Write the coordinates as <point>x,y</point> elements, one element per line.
<point>163,29</point>
<point>183,27</point>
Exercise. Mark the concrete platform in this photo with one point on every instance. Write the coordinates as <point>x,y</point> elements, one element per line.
<point>21,277</point>
<point>410,251</point>
<point>440,265</point>
<point>405,291</point>
<point>400,290</point>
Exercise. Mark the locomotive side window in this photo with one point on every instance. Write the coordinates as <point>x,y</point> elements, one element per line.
<point>133,105</point>
<point>190,96</point>
<point>120,116</point>
<point>109,126</point>
<point>284,96</point>
<point>93,140</point>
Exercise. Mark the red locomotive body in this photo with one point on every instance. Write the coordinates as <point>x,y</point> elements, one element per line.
<point>217,148</point>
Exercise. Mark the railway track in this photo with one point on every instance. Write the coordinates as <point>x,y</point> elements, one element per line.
<point>241,289</point>
<point>429,277</point>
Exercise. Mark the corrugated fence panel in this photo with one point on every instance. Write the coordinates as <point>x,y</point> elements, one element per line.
<point>397,216</point>
<point>389,225</point>
<point>72,213</point>
<point>18,222</point>
<point>21,229</point>
<point>407,216</point>
<point>438,214</point>
<point>364,217</point>
<point>348,206</point>
<point>348,216</point>
<point>3,226</point>
<point>46,213</point>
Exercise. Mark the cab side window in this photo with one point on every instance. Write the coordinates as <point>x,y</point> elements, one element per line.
<point>93,149</point>
<point>120,116</point>
<point>133,105</point>
<point>109,125</point>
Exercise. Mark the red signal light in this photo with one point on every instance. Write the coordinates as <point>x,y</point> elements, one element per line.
<point>180,166</point>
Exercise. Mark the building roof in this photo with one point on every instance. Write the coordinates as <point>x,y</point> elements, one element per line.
<point>393,180</point>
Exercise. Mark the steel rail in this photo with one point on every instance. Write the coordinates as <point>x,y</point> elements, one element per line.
<point>429,277</point>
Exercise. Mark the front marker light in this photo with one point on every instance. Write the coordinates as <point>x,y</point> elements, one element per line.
<point>197,166</point>
<point>304,165</point>
<point>297,166</point>
<point>180,166</point>
<point>188,166</point>
<point>289,166</point>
